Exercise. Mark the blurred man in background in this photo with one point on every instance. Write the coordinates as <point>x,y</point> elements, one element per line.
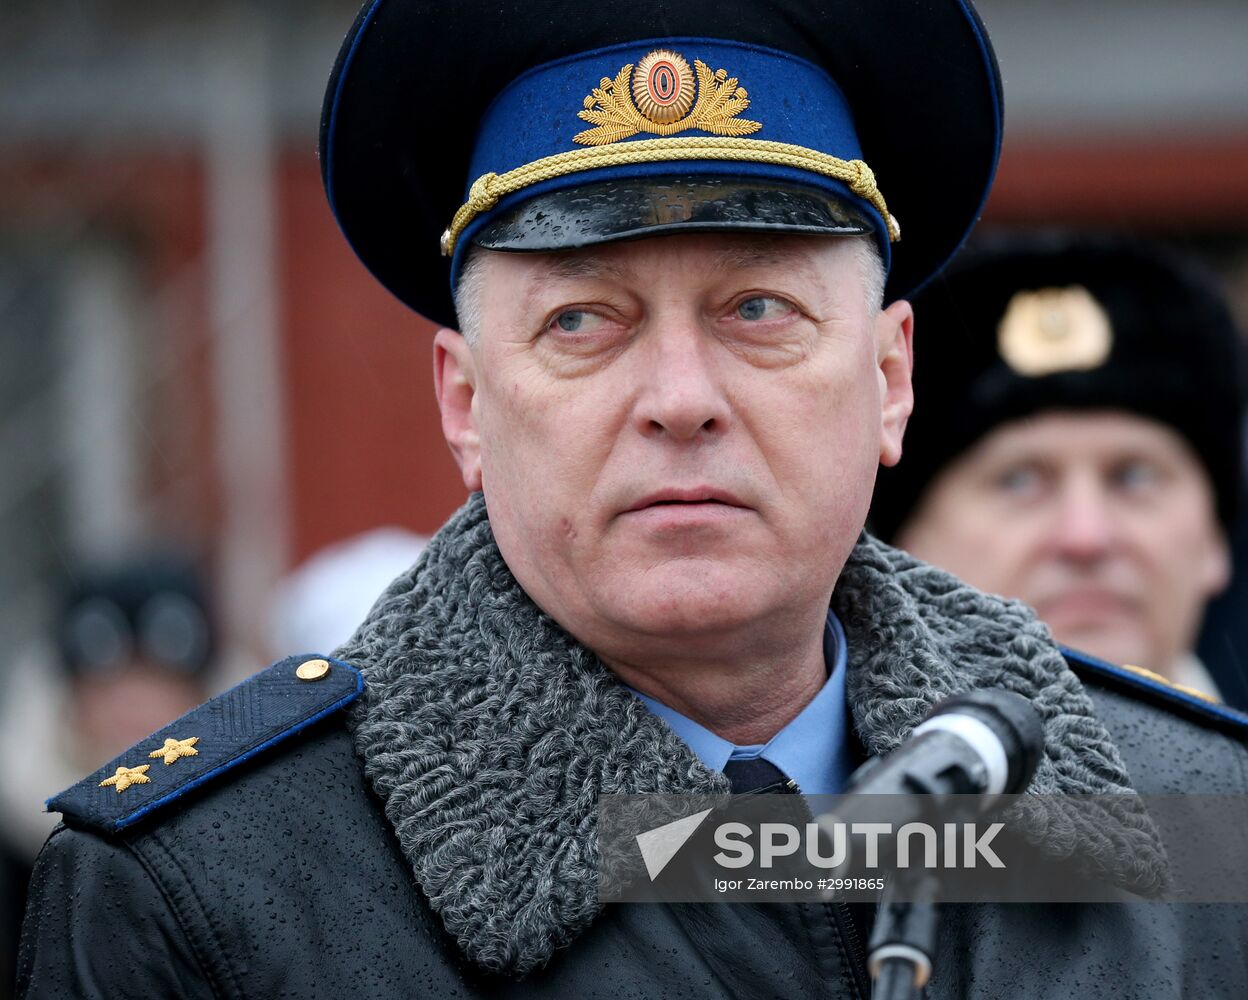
<point>1078,445</point>
<point>134,646</point>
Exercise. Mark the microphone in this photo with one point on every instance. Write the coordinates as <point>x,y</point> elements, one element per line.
<point>983,743</point>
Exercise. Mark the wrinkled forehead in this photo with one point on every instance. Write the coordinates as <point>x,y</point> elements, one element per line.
<point>690,259</point>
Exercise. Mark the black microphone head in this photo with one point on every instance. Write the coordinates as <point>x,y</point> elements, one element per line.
<point>1014,720</point>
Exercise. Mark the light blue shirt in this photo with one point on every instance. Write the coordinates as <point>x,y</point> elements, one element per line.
<point>813,749</point>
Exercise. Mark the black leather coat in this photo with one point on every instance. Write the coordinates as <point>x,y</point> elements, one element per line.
<point>285,879</point>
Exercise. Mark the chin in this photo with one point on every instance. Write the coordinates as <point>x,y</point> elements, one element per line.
<point>688,600</point>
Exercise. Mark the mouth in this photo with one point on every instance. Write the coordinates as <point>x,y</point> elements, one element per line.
<point>697,496</point>
<point>1086,605</point>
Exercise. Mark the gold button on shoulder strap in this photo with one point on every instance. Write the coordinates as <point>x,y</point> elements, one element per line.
<point>312,670</point>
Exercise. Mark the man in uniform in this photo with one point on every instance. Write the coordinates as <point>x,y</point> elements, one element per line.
<point>1077,444</point>
<point>676,353</point>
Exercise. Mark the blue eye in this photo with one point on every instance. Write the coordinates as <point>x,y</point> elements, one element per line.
<point>1136,475</point>
<point>1019,479</point>
<point>577,321</point>
<point>762,307</point>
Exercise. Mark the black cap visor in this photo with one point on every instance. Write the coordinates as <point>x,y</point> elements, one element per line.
<point>609,211</point>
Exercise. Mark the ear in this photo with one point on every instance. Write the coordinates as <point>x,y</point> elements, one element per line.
<point>1217,564</point>
<point>894,330</point>
<point>454,382</point>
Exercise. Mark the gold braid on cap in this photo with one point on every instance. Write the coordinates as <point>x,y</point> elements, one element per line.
<point>488,189</point>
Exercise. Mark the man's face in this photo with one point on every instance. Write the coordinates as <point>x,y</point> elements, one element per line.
<point>677,437</point>
<point>116,708</point>
<point>1103,522</point>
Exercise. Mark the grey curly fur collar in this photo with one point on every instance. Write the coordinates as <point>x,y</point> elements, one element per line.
<point>489,733</point>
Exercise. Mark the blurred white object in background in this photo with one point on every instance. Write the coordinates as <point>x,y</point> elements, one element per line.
<point>318,605</point>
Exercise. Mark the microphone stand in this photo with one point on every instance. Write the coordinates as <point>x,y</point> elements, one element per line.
<point>903,942</point>
<point>986,741</point>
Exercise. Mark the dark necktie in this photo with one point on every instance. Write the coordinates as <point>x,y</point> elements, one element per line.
<point>754,775</point>
<point>757,776</point>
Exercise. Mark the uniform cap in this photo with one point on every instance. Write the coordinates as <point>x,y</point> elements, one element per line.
<point>535,125</point>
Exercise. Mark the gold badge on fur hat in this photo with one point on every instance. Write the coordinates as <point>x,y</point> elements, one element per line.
<point>1054,330</point>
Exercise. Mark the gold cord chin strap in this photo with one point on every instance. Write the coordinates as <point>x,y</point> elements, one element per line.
<point>488,189</point>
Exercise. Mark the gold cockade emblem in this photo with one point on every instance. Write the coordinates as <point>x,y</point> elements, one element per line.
<point>663,87</point>
<point>660,96</point>
<point>1054,330</point>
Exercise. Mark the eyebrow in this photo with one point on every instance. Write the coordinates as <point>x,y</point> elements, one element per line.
<point>580,265</point>
<point>596,266</point>
<point>743,257</point>
<point>748,256</point>
<point>564,267</point>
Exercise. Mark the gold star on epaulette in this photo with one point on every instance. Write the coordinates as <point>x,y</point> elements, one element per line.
<point>176,749</point>
<point>127,776</point>
<point>1153,676</point>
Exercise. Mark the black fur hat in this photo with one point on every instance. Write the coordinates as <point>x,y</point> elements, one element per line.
<point>1047,321</point>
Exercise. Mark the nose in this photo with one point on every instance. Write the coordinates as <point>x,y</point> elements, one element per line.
<point>1085,526</point>
<point>683,397</point>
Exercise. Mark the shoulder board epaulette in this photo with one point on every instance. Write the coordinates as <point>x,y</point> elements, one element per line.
<point>243,722</point>
<point>1156,689</point>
